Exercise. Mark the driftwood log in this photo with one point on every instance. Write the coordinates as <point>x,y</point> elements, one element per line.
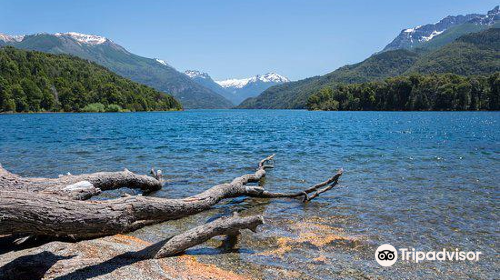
<point>59,208</point>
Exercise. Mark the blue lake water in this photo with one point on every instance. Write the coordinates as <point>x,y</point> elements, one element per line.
<point>424,180</point>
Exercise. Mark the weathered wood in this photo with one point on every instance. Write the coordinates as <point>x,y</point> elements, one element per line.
<point>78,186</point>
<point>46,214</point>
<point>316,190</point>
<point>222,226</point>
<point>54,207</point>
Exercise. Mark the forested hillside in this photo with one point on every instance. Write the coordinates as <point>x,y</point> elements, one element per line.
<point>415,92</point>
<point>472,54</point>
<point>32,81</point>
<point>294,95</point>
<point>152,72</point>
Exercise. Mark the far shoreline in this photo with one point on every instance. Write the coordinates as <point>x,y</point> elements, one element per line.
<point>241,109</point>
<point>33,113</point>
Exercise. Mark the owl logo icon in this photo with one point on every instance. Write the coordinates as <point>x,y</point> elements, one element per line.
<point>386,255</point>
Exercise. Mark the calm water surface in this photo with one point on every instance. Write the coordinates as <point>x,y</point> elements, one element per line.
<point>424,180</point>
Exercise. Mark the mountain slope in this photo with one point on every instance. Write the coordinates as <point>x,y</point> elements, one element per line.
<point>476,53</point>
<point>472,54</point>
<point>432,36</point>
<point>411,37</point>
<point>451,35</point>
<point>36,81</point>
<point>205,80</point>
<point>294,95</point>
<point>151,72</point>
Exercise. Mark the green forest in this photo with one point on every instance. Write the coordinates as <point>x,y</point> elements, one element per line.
<point>416,92</point>
<point>32,81</point>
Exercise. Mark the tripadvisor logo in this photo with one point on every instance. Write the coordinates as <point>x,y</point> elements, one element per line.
<point>387,255</point>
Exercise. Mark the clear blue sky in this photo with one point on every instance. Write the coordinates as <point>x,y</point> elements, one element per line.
<point>238,38</point>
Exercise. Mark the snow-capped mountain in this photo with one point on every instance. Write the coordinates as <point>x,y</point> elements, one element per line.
<point>416,37</point>
<point>10,38</point>
<point>241,89</point>
<point>270,78</point>
<point>84,38</point>
<point>197,74</point>
<point>237,90</point>
<point>79,37</point>
<point>489,19</point>
<point>149,71</point>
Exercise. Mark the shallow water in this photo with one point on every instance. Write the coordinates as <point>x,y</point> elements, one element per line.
<point>424,180</point>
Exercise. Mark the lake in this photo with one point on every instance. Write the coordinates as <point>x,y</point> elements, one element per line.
<point>423,180</point>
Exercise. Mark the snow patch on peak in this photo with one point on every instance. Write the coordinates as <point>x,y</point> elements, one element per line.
<point>240,83</point>
<point>196,74</point>
<point>235,83</point>
<point>273,77</point>
<point>11,38</point>
<point>161,61</point>
<point>432,35</point>
<point>411,30</point>
<point>84,38</point>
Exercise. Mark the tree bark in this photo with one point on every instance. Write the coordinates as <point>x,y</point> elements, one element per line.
<point>56,207</point>
<point>78,187</point>
<point>222,226</point>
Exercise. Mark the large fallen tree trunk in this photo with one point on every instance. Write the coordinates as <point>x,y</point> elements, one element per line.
<point>54,207</point>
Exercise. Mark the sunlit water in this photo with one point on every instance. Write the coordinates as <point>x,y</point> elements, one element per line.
<point>424,180</point>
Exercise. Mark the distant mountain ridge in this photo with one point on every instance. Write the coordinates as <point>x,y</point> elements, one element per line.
<point>152,72</point>
<point>294,95</point>
<point>237,90</point>
<point>266,78</point>
<point>242,89</point>
<point>419,36</point>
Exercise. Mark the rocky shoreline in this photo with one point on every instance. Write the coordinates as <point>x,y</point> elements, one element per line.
<point>104,258</point>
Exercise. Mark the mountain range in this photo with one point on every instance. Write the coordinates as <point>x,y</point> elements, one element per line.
<point>237,90</point>
<point>443,32</point>
<point>152,72</point>
<point>431,48</point>
<point>415,50</point>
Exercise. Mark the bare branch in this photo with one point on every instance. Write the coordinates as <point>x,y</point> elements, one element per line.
<point>39,211</point>
<point>330,183</point>
<point>222,226</point>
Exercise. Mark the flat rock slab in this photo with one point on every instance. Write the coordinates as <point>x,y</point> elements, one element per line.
<point>104,258</point>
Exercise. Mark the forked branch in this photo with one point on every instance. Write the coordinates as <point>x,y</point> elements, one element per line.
<point>222,226</point>
<point>45,207</point>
